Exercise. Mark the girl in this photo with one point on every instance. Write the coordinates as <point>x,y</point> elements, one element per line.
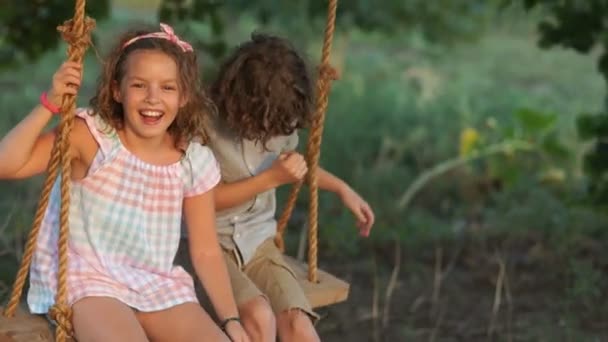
<point>264,94</point>
<point>133,161</point>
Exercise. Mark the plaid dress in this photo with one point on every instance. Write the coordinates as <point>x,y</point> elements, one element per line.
<point>125,220</point>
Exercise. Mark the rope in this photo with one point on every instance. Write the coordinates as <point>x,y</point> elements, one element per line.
<point>313,150</point>
<point>76,32</point>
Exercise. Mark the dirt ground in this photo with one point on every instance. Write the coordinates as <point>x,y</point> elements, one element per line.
<point>469,291</point>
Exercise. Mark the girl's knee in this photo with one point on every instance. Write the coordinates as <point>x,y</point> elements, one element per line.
<point>221,337</point>
<point>211,332</point>
<point>183,322</point>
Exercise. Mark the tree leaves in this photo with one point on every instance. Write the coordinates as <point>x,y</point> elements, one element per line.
<point>591,126</point>
<point>582,25</point>
<point>29,28</point>
<point>535,122</point>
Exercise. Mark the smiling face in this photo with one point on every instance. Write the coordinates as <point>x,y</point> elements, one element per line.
<point>151,87</point>
<point>149,93</point>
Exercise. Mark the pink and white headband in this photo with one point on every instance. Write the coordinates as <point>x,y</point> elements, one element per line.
<point>166,32</point>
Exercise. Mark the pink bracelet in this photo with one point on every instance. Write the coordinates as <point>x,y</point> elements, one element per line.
<point>48,105</point>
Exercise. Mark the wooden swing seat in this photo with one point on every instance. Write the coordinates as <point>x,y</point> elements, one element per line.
<point>327,291</point>
<point>25,327</point>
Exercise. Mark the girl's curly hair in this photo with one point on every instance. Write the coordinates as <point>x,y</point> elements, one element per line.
<point>190,120</point>
<point>264,89</point>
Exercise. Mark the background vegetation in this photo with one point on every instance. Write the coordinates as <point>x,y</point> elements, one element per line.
<point>476,130</point>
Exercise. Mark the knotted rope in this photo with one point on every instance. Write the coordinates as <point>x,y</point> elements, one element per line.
<point>313,150</point>
<point>77,33</point>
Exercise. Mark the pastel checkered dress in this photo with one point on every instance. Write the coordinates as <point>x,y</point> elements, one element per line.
<point>125,218</point>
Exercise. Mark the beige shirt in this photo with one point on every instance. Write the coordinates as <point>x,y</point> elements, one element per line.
<point>245,227</point>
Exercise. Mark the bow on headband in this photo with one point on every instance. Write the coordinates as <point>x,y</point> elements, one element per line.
<point>166,33</point>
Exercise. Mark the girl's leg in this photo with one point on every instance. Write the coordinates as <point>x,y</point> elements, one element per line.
<point>105,319</point>
<point>184,322</point>
<point>256,313</point>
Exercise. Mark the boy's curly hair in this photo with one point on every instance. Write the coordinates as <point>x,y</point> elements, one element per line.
<point>264,89</point>
<point>190,120</point>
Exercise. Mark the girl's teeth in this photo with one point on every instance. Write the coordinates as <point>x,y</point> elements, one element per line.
<point>151,113</point>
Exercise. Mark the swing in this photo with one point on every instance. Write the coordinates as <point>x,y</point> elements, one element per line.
<point>17,325</point>
<point>321,288</point>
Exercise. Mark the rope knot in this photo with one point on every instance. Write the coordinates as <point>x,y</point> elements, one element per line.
<point>62,315</point>
<point>327,72</point>
<point>77,34</point>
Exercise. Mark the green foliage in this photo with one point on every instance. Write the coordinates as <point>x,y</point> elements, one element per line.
<point>186,14</point>
<point>382,133</point>
<point>34,22</point>
<point>587,283</point>
<point>596,160</point>
<point>535,122</point>
<point>28,28</point>
<point>556,216</point>
<point>574,24</point>
<point>591,126</point>
<point>438,21</point>
<point>582,26</point>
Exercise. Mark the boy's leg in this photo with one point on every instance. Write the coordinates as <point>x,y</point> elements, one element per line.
<point>255,311</point>
<point>296,325</point>
<point>256,314</point>
<point>258,319</point>
<point>273,277</point>
<point>184,322</point>
<point>105,319</point>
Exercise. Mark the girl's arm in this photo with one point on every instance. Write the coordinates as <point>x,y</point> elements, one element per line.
<point>288,168</point>
<point>25,151</point>
<point>206,254</point>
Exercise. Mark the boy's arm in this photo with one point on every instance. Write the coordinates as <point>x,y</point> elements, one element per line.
<point>329,182</point>
<point>288,168</point>
<point>228,195</point>
<point>357,205</point>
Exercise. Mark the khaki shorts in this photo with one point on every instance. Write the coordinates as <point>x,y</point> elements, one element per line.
<point>266,275</point>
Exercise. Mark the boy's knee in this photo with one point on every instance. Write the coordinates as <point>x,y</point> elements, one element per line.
<point>257,314</point>
<point>298,325</point>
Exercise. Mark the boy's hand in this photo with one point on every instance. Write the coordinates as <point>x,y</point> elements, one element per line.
<point>288,168</point>
<point>66,80</point>
<point>362,211</point>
